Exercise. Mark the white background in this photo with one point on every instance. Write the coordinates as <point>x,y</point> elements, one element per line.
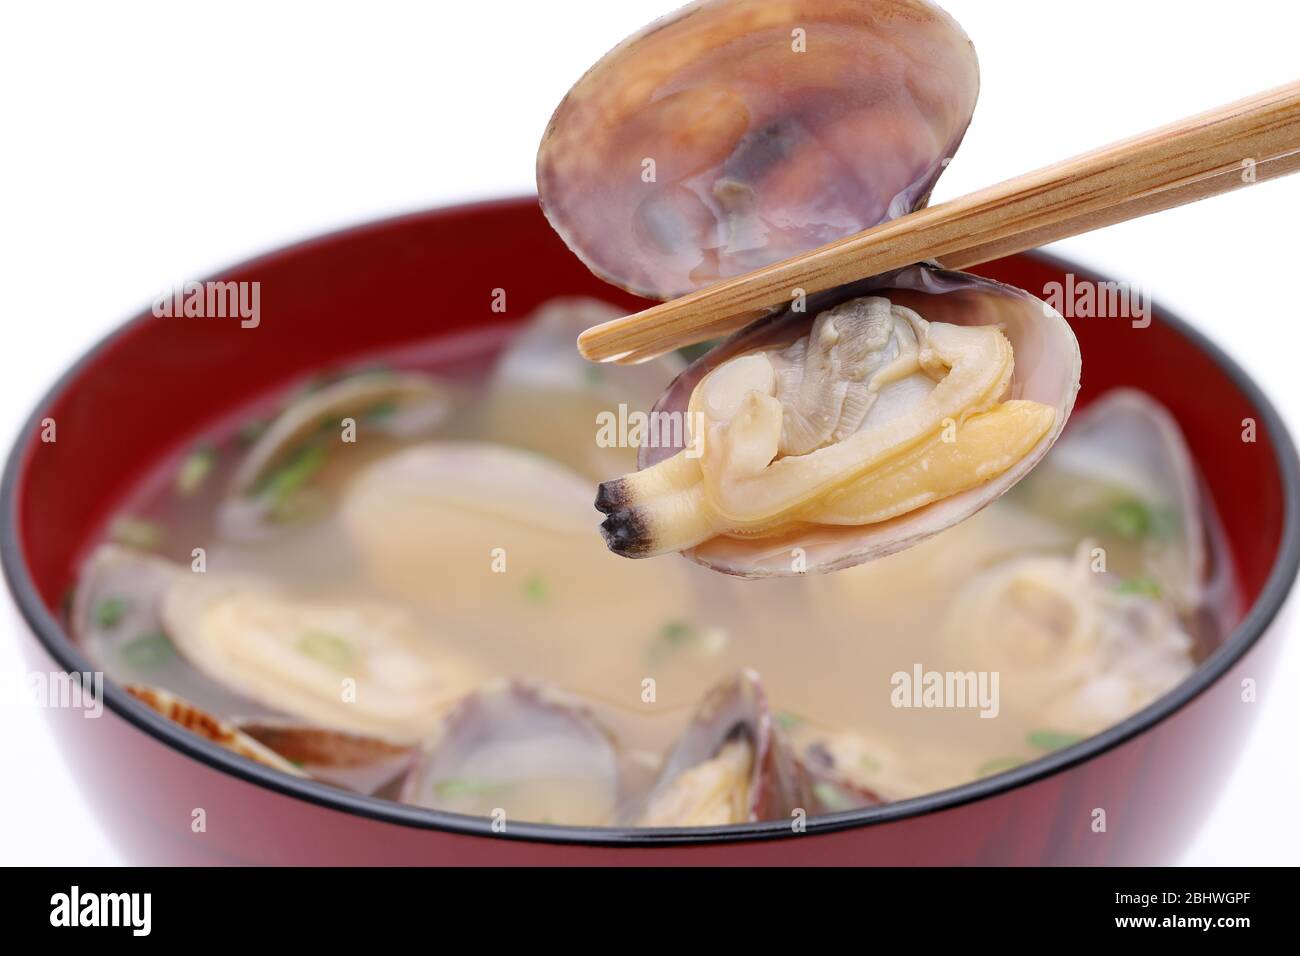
<point>142,144</point>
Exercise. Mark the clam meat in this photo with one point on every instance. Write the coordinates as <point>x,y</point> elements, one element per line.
<point>365,667</point>
<point>730,765</point>
<point>904,405</point>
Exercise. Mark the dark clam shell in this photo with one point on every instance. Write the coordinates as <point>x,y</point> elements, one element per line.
<point>735,711</point>
<point>353,761</point>
<point>518,750</point>
<point>212,728</point>
<point>833,790</point>
<point>773,127</point>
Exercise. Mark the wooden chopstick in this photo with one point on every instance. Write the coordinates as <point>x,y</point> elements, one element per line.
<point>1249,141</point>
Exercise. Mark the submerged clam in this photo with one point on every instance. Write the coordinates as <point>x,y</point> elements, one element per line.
<point>114,610</point>
<point>736,133</point>
<point>353,761</point>
<point>460,527</point>
<point>886,412</point>
<point>731,765</point>
<point>523,751</point>
<point>117,616</point>
<point>1073,646</point>
<point>1123,474</point>
<point>272,484</point>
<point>364,667</point>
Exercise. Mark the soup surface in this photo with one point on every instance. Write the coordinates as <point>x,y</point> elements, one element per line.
<point>389,578</point>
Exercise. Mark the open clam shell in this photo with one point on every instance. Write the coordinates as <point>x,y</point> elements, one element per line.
<point>843,770</point>
<point>352,761</point>
<point>517,750</point>
<point>116,616</point>
<point>199,721</point>
<point>730,765</point>
<point>456,527</point>
<point>736,133</point>
<point>1046,373</point>
<point>119,590</point>
<point>1123,475</point>
<point>1073,647</point>
<point>364,667</point>
<point>269,484</point>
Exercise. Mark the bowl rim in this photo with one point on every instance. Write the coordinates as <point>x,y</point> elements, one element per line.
<point>66,654</point>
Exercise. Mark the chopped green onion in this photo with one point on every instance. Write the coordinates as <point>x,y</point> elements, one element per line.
<point>1051,740</point>
<point>672,636</point>
<point>832,797</point>
<point>380,411</point>
<point>788,721</point>
<point>998,765</point>
<point>148,652</point>
<point>535,589</point>
<point>110,611</point>
<point>329,649</point>
<point>1128,519</point>
<point>677,632</point>
<point>195,469</point>
<point>1145,587</point>
<point>136,532</point>
<point>869,763</point>
<point>280,485</point>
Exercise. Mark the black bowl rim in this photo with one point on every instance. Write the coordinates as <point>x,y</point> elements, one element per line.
<point>65,653</point>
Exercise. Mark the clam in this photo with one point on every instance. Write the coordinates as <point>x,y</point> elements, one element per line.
<point>1123,475</point>
<point>1074,647</point>
<point>272,484</point>
<point>200,722</point>
<point>852,768</point>
<point>886,412</point>
<point>459,527</point>
<point>352,761</point>
<point>520,749</point>
<point>116,603</point>
<point>734,133</point>
<point>846,769</point>
<point>364,667</point>
<point>544,397</point>
<point>731,765</point>
<point>116,616</point>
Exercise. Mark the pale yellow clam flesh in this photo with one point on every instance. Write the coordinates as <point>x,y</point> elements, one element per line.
<point>884,404</point>
<point>711,793</point>
<point>368,668</point>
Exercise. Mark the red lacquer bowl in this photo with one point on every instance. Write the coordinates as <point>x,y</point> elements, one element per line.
<point>157,382</point>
